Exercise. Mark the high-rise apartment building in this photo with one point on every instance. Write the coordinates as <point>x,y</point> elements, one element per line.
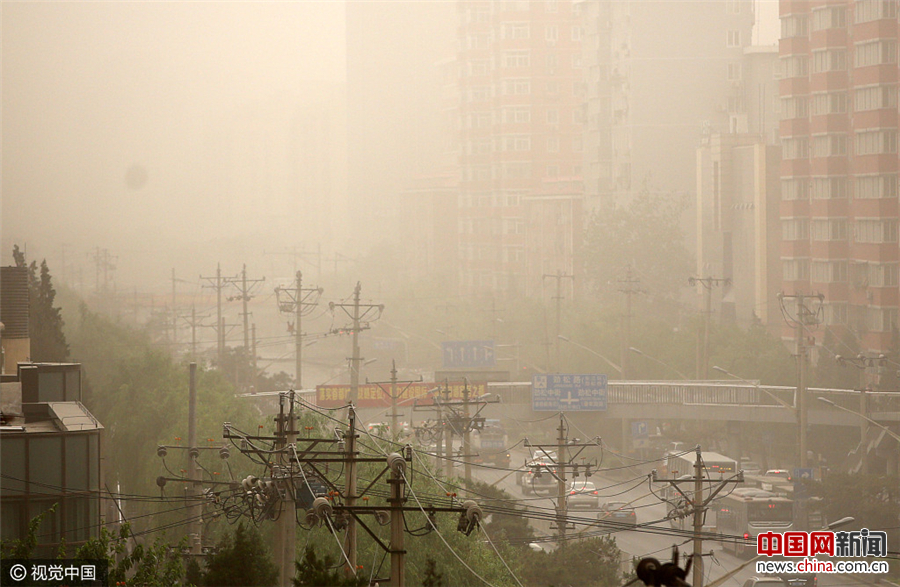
<point>520,138</point>
<point>839,208</point>
<point>660,75</point>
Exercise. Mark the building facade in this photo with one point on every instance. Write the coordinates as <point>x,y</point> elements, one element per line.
<point>519,118</point>
<point>839,167</point>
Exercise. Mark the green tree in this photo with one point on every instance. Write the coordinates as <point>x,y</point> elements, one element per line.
<point>45,326</point>
<point>593,562</point>
<point>432,578</point>
<point>645,233</point>
<point>313,571</point>
<point>510,527</point>
<point>241,561</point>
<point>24,547</point>
<point>874,500</point>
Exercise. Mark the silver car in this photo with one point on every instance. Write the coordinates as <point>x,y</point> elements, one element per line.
<point>582,494</point>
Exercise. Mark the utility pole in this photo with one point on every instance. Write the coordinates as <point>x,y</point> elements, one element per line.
<point>395,395</point>
<point>708,284</point>
<point>245,295</point>
<point>467,467</point>
<point>218,283</point>
<point>351,485</point>
<point>561,502</point>
<point>255,378</point>
<point>174,311</point>
<point>697,505</point>
<point>629,286</point>
<point>563,463</point>
<point>360,315</point>
<point>301,302</point>
<point>286,529</point>
<point>193,453</point>
<point>558,297</point>
<point>194,322</point>
<point>104,263</point>
<point>447,431</point>
<point>397,499</point>
<point>804,319</point>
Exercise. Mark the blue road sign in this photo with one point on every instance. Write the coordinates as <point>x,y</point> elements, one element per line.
<point>568,392</point>
<point>468,354</point>
<point>639,430</point>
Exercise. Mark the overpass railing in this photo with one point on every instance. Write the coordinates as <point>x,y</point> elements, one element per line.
<point>712,393</point>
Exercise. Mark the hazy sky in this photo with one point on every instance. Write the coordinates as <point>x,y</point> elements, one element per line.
<point>93,89</point>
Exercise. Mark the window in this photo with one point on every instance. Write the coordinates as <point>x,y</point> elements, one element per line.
<point>577,116</point>
<point>516,59</point>
<point>876,186</point>
<point>515,30</point>
<point>517,143</point>
<point>734,72</point>
<point>480,120</point>
<point>480,146</point>
<point>829,60</point>
<point>517,170</point>
<point>875,98</point>
<point>794,229</point>
<point>829,103</point>
<point>876,231</point>
<point>828,271</point>
<point>733,39</point>
<point>478,41</point>
<point>835,312</point>
<point>829,145</point>
<point>876,53</point>
<point>551,62</point>
<point>552,116</point>
<point>795,269</point>
<point>551,5</point>
<point>577,33</point>
<point>551,33</point>
<point>795,66</point>
<point>516,87</point>
<point>479,93</point>
<point>876,142</point>
<point>552,144</point>
<point>867,10</point>
<point>733,6</point>
<point>882,275</point>
<point>795,148</point>
<point>881,319</point>
<point>578,144</point>
<point>796,107</point>
<point>553,171</point>
<point>829,188</point>
<point>794,25</point>
<point>828,229</point>
<point>479,67</point>
<point>576,61</point>
<point>795,189</point>
<point>829,17</point>
<point>516,114</point>
<point>552,88</point>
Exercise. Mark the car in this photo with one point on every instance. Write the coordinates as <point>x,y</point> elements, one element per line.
<point>544,455</point>
<point>582,494</point>
<point>765,582</point>
<point>618,511</point>
<point>781,473</point>
<point>793,579</point>
<point>541,477</point>
<point>751,467</point>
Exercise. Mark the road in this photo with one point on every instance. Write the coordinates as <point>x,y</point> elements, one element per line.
<point>654,539</point>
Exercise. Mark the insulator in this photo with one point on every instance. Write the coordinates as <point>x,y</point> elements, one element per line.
<point>382,517</point>
<point>396,463</point>
<point>161,452</point>
<point>194,452</point>
<point>224,453</point>
<point>161,481</point>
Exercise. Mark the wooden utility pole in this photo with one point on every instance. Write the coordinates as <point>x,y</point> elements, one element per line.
<point>394,395</point>
<point>218,283</point>
<point>300,302</point>
<point>396,501</point>
<point>629,286</point>
<point>245,295</point>
<point>351,487</point>
<point>558,297</point>
<point>698,505</point>
<point>561,502</point>
<point>708,284</point>
<point>361,315</point>
<point>196,508</point>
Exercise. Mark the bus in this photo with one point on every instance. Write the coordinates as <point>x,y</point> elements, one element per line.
<point>747,512</point>
<point>681,466</point>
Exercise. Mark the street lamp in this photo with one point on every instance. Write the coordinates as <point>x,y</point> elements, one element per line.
<point>887,430</point>
<point>592,351</point>
<point>664,364</point>
<point>780,401</point>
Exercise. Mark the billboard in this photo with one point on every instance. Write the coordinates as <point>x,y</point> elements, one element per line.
<point>374,396</point>
<point>568,392</point>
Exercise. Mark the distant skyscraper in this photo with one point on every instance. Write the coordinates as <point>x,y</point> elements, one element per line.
<point>839,209</point>
<point>659,76</point>
<point>520,140</point>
